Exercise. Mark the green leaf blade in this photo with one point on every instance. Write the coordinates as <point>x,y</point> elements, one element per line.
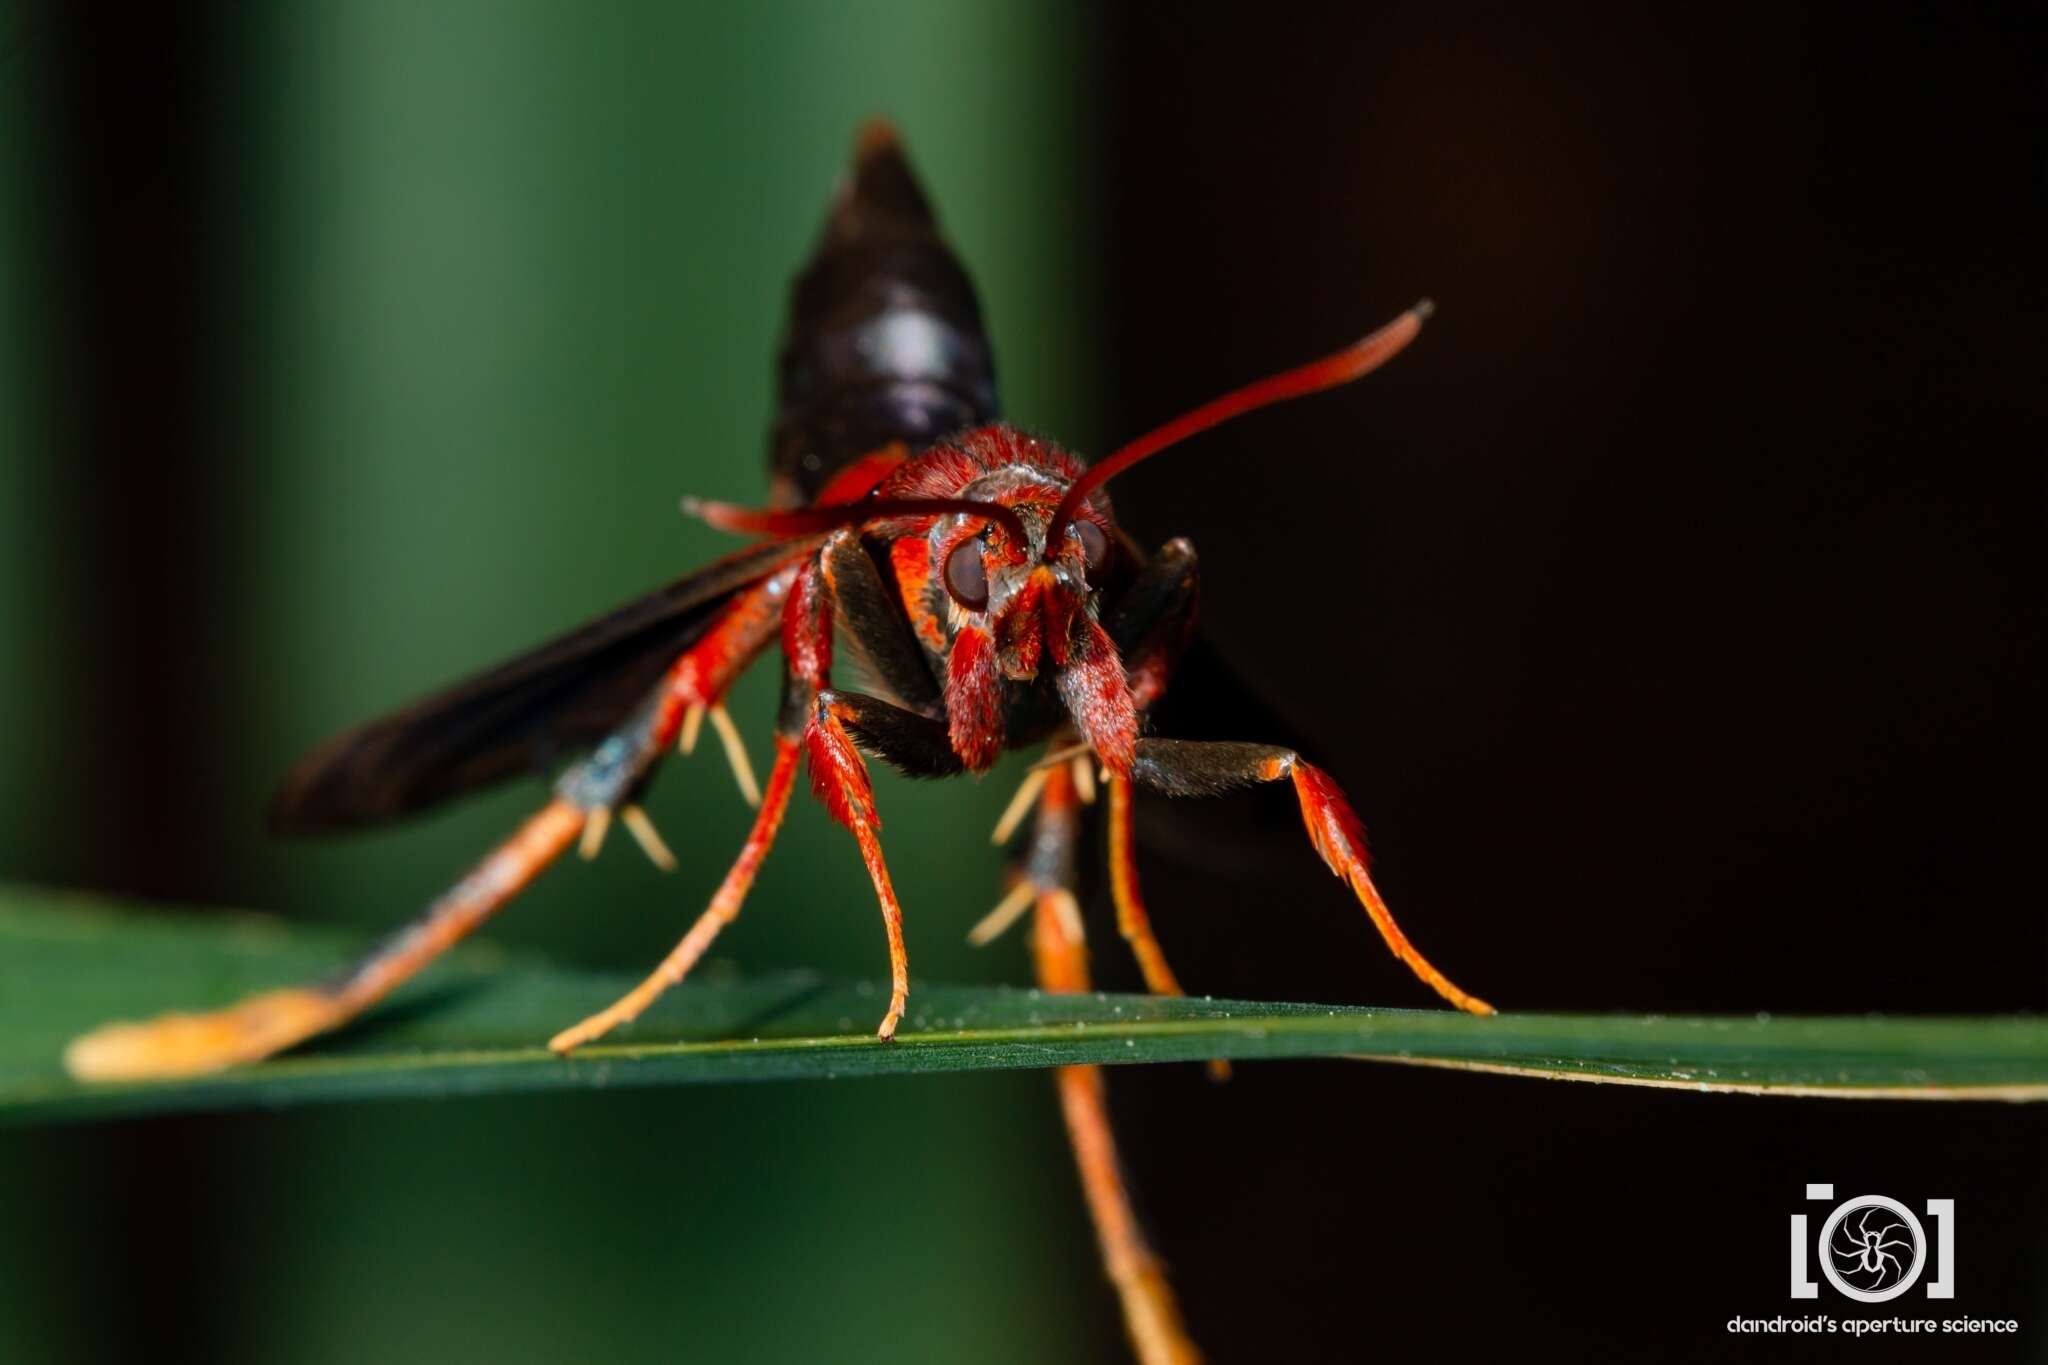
<point>475,1025</point>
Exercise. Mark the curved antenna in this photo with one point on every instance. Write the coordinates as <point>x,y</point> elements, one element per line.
<point>810,521</point>
<point>1353,362</point>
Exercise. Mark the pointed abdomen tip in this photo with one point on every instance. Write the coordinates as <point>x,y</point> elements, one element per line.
<point>876,137</point>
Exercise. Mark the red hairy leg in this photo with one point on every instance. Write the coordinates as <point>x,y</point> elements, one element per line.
<point>1339,838</point>
<point>707,670</point>
<point>1193,768</point>
<point>974,699</point>
<point>1151,1316</point>
<point>699,680</point>
<point>191,1044</point>
<point>1098,696</point>
<point>724,908</point>
<point>839,779</point>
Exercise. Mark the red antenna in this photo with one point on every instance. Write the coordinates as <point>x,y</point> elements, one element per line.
<point>1353,362</point>
<point>810,521</point>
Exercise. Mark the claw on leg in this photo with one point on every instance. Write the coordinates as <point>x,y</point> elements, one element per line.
<point>728,738</point>
<point>1020,805</point>
<point>1084,778</point>
<point>648,837</point>
<point>594,829</point>
<point>736,755</point>
<point>1008,911</point>
<point>599,824</point>
<point>1064,908</point>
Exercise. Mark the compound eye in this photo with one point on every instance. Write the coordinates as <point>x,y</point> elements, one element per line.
<point>1094,544</point>
<point>965,577</point>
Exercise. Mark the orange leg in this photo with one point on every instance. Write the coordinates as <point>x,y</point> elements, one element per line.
<point>191,1044</point>
<point>1131,920</point>
<point>1151,1317</point>
<point>724,908</point>
<point>892,925</point>
<point>1181,767</point>
<point>1340,839</point>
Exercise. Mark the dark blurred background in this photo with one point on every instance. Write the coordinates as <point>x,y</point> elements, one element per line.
<point>1664,610</point>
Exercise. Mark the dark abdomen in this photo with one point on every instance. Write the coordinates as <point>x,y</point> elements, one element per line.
<point>884,342</point>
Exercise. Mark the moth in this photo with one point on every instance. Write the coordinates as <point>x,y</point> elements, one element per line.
<point>973,575</point>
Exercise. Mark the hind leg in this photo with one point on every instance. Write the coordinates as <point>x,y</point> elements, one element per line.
<point>611,778</point>
<point>192,1044</point>
<point>1151,1316</point>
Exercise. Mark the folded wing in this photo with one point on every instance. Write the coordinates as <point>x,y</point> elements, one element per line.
<point>517,718</point>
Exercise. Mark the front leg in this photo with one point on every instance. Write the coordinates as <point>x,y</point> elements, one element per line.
<point>838,777</point>
<point>1179,767</point>
<point>1150,624</point>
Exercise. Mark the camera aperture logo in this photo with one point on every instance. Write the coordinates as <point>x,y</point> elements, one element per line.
<point>1872,1249</point>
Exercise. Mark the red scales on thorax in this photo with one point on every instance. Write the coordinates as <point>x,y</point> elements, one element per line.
<point>979,580</point>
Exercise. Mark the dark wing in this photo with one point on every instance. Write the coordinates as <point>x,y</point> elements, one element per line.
<point>520,716</point>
